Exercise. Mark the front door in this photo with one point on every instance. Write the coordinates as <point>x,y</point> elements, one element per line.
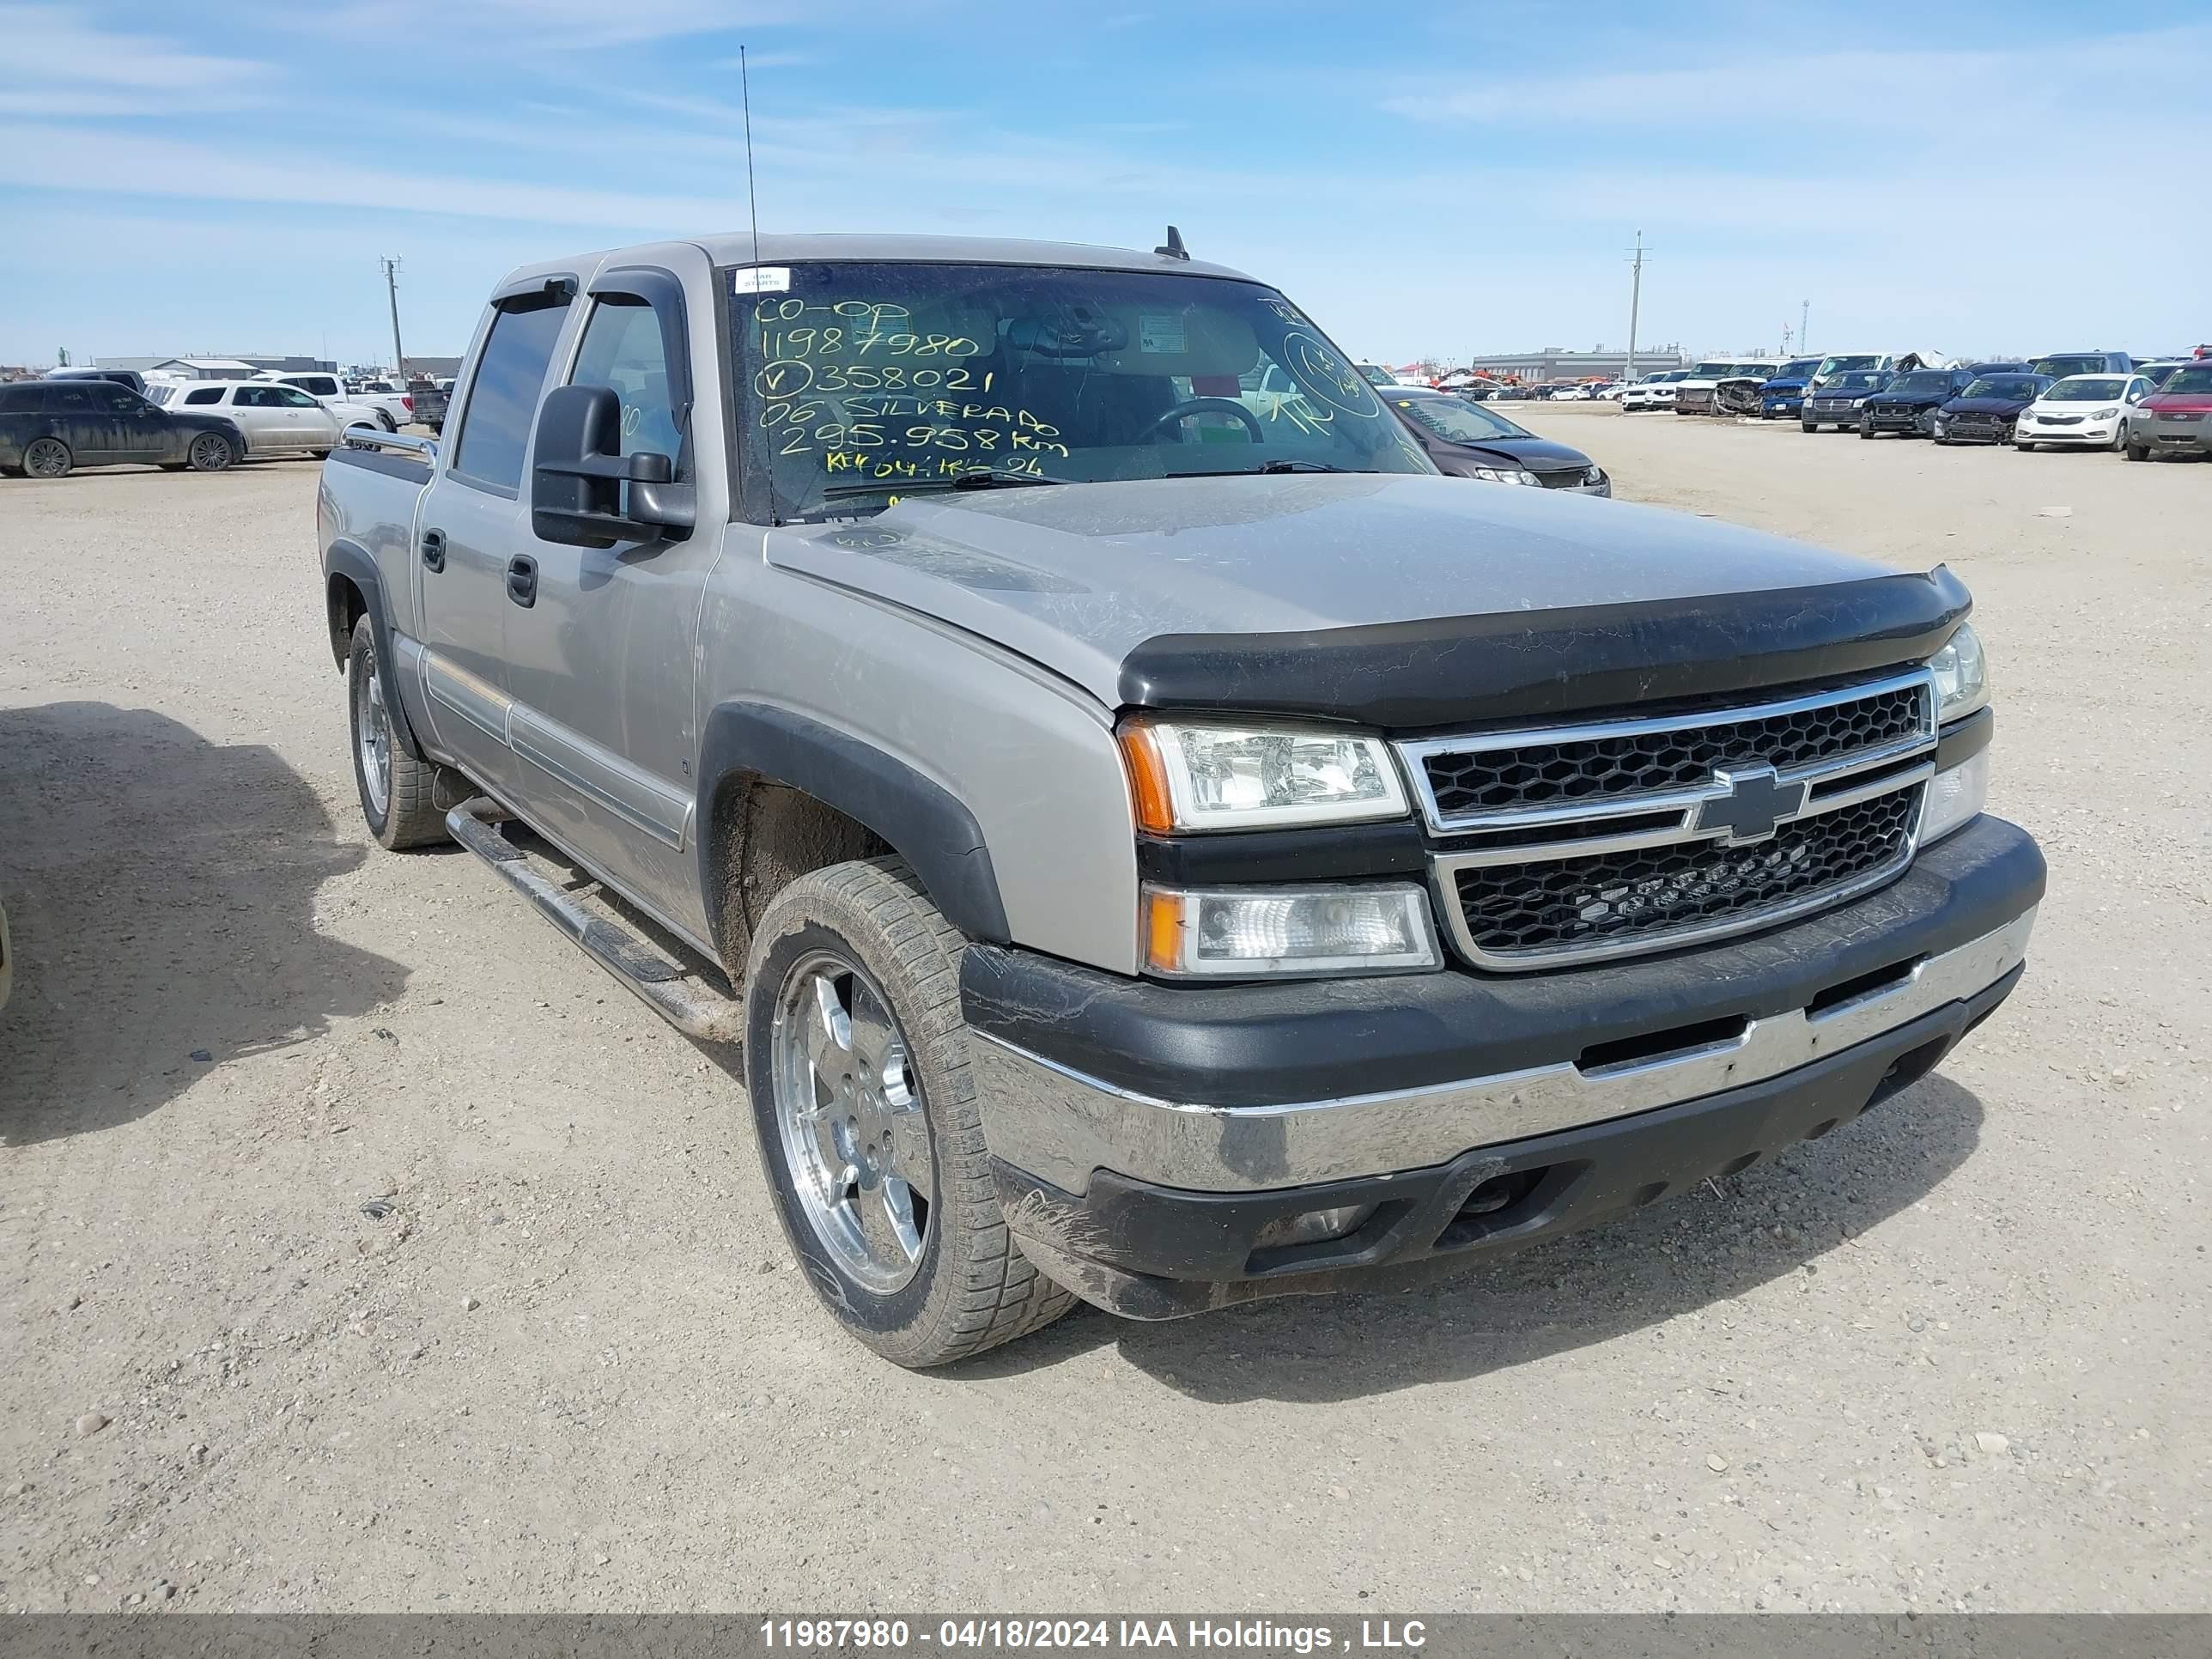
<point>600,666</point>
<point>258,416</point>
<point>472,524</point>
<point>141,432</point>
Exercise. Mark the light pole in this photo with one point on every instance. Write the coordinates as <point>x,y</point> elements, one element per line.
<point>391,289</point>
<point>1635,305</point>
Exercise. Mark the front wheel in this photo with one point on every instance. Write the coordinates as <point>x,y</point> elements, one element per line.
<point>856,1064</point>
<point>1866,428</point>
<point>211,451</point>
<point>2138,451</point>
<point>47,457</point>
<point>1807,426</point>
<point>2120,435</point>
<point>397,790</point>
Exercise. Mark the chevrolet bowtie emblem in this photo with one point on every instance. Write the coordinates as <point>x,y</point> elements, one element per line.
<point>1757,801</point>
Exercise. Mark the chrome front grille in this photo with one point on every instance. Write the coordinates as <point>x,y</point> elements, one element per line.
<point>1575,843</point>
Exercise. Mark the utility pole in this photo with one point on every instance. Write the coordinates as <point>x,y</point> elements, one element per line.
<point>1804,325</point>
<point>392,288</point>
<point>1635,305</point>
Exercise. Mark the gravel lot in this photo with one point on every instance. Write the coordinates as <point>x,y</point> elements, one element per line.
<point>1950,1356</point>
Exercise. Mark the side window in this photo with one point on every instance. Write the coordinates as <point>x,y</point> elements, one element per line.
<point>291,397</point>
<point>494,429</point>
<point>204,394</point>
<point>319,385</point>
<point>248,397</point>
<point>122,400</point>
<point>18,400</point>
<point>622,348</point>
<point>69,400</point>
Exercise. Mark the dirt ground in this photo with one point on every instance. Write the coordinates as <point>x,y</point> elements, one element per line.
<point>1952,1357</point>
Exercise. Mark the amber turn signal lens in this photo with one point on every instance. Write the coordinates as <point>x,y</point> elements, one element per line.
<point>1148,778</point>
<point>1163,930</point>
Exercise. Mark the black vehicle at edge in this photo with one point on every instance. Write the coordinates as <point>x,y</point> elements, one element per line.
<point>1984,412</point>
<point>1907,404</point>
<point>1838,402</point>
<point>48,429</point>
<point>1469,441</point>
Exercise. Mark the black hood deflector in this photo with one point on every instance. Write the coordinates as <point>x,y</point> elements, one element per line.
<point>1525,665</point>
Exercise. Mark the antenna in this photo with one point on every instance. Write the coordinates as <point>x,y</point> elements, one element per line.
<point>752,202</point>
<point>1174,248</point>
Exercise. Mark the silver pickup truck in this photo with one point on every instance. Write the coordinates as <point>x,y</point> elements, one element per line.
<point>1155,843</point>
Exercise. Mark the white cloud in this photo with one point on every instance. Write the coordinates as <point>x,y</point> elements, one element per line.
<point>50,49</point>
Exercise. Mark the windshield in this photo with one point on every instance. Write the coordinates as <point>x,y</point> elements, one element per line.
<point>1839,365</point>
<point>1863,379</point>
<point>1713,371</point>
<point>2189,379</point>
<point>2059,367</point>
<point>1928,379</point>
<point>2090,389</point>
<point>2003,386</point>
<point>1377,375</point>
<point>859,381</point>
<point>1458,422</point>
<point>1797,369</point>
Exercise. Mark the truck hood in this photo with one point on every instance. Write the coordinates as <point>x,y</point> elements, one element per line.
<point>1077,577</point>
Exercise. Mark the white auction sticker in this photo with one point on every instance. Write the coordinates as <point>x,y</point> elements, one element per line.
<point>1161,332</point>
<point>761,279</point>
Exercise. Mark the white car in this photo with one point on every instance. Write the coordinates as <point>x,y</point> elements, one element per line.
<point>1693,395</point>
<point>2082,411</point>
<point>1652,391</point>
<point>277,419</point>
<point>329,392</point>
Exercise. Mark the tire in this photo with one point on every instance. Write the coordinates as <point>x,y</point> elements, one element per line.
<point>386,421</point>
<point>48,459</point>
<point>2024,448</point>
<point>1807,426</point>
<point>211,451</point>
<point>904,1241</point>
<point>2138,452</point>
<point>399,805</point>
<point>2120,435</point>
<point>1866,430</point>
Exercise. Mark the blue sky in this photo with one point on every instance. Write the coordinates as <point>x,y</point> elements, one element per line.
<point>1425,178</point>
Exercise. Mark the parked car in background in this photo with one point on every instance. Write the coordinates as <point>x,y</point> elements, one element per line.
<point>50,428</point>
<point>2176,418</point>
<point>1835,399</point>
<point>2158,370</point>
<point>1693,394</point>
<point>1985,411</point>
<point>1906,406</point>
<point>2082,411</point>
<point>1469,441</point>
<point>2064,365</point>
<point>277,419</point>
<point>1376,374</point>
<point>2000,365</point>
<point>1656,391</point>
<point>129,377</point>
<point>394,407</point>
<point>329,392</point>
<point>1849,362</point>
<point>1783,393</point>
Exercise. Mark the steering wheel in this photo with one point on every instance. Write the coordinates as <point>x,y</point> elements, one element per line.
<point>1190,406</point>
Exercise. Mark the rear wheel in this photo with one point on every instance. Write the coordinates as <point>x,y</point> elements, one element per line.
<point>397,789</point>
<point>856,1064</point>
<point>47,457</point>
<point>211,451</point>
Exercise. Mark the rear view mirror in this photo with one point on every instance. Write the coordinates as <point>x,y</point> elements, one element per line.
<point>581,477</point>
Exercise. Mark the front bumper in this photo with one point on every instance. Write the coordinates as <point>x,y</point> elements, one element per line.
<point>2098,433</point>
<point>1976,430</point>
<point>1793,404</point>
<point>1901,421</point>
<point>2171,437</point>
<point>1145,1137</point>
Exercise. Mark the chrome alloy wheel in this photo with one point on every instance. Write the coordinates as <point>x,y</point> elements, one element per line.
<point>848,1106</point>
<point>373,737</point>
<point>47,458</point>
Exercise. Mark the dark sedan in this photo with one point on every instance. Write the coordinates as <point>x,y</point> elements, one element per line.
<point>1474,442</point>
<point>1907,404</point>
<point>1836,401</point>
<point>1985,411</point>
<point>50,427</point>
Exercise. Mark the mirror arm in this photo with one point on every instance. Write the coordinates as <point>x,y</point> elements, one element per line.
<point>671,506</point>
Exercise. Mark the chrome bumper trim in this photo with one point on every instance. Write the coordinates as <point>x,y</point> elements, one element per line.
<point>1059,1124</point>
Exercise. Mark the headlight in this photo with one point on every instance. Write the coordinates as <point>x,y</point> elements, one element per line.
<point>1227,777</point>
<point>1512,475</point>
<point>1962,676</point>
<point>1955,797</point>
<point>1595,475</point>
<point>1241,933</point>
<point>2104,414</point>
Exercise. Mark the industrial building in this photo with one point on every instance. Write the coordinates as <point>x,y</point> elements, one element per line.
<point>1557,363</point>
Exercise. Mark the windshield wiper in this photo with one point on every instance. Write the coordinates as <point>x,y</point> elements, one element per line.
<point>982,478</point>
<point>1279,465</point>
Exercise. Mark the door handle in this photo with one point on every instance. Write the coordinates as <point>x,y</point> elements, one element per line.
<point>434,550</point>
<point>522,580</point>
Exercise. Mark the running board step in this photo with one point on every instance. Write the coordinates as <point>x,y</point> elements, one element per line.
<point>674,992</point>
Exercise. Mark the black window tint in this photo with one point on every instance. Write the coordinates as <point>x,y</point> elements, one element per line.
<point>17,399</point>
<point>622,348</point>
<point>503,397</point>
<point>122,399</point>
<point>204,394</point>
<point>75,400</point>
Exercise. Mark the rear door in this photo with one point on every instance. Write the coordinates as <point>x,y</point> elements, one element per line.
<point>81,419</point>
<point>600,663</point>
<point>470,526</point>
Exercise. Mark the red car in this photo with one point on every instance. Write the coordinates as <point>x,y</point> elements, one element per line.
<point>2177,418</point>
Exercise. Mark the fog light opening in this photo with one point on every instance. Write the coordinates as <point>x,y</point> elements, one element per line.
<point>1312,1227</point>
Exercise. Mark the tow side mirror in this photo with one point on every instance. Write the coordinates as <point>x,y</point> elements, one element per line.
<point>581,477</point>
